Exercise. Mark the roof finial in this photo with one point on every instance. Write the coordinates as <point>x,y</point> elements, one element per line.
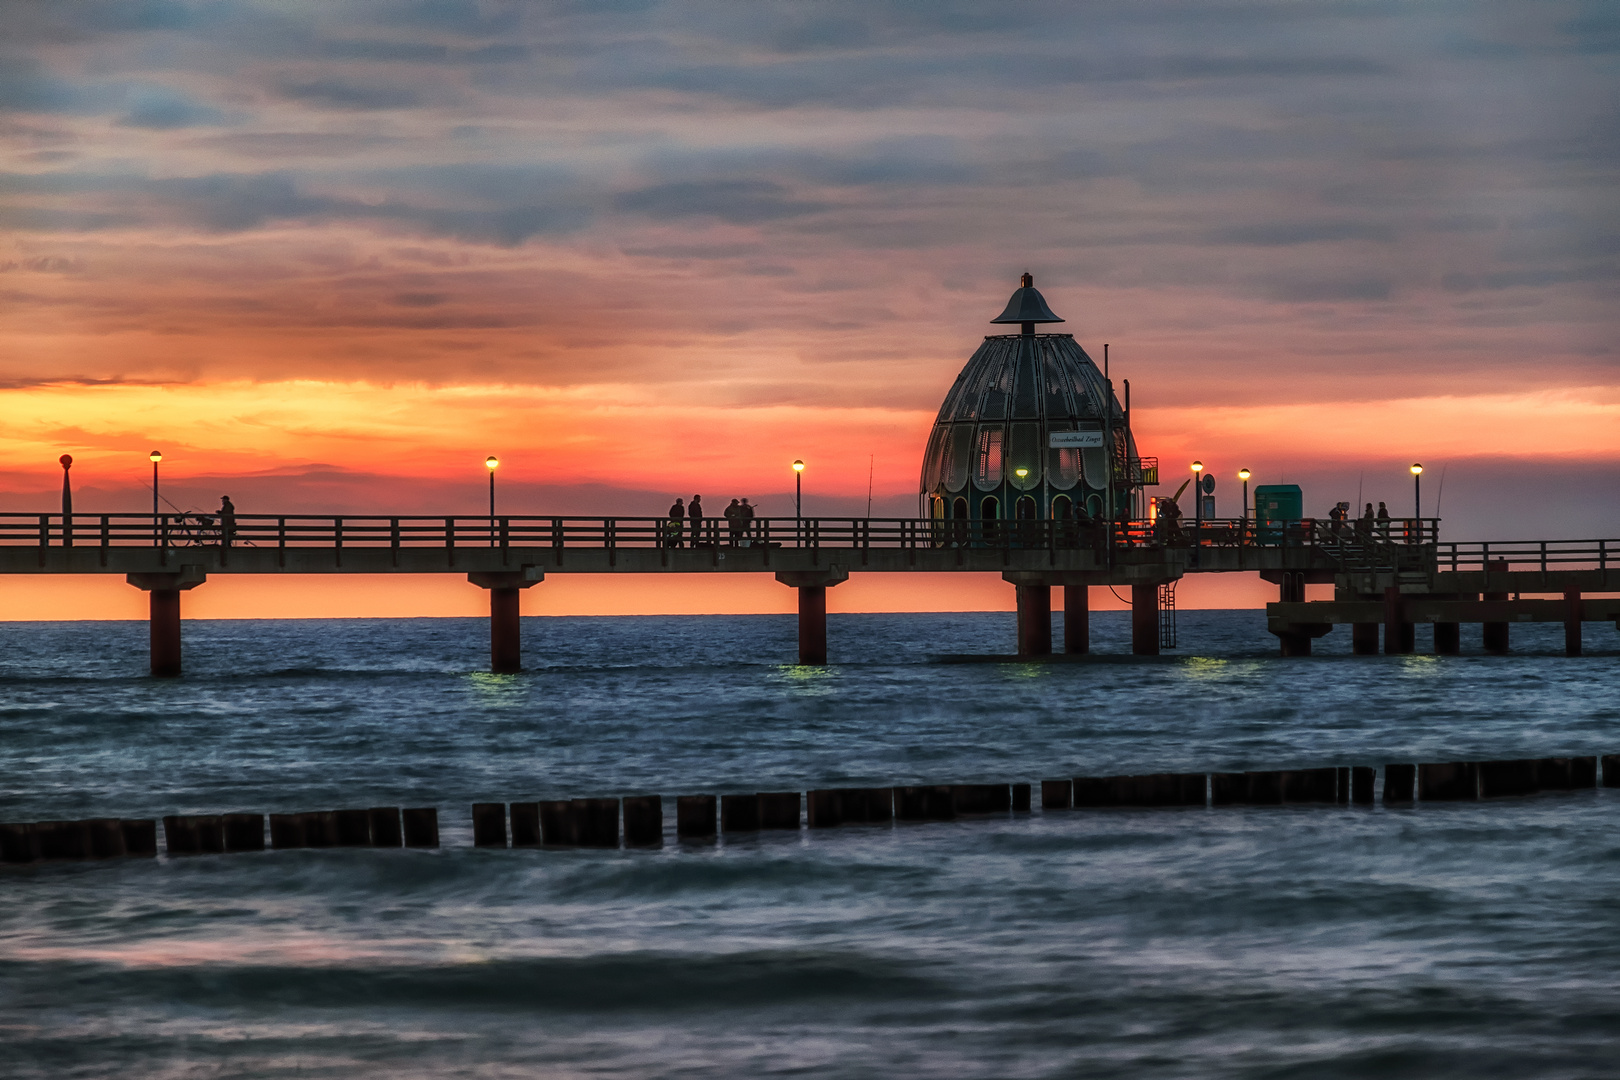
<point>1027,307</point>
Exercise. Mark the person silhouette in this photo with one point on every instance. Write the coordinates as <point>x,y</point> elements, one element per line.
<point>694,510</point>
<point>745,514</point>
<point>227,520</point>
<point>734,521</point>
<point>677,518</point>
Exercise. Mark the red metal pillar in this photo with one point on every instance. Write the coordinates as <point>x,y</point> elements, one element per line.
<point>165,632</point>
<point>812,586</point>
<point>812,624</point>
<point>505,632</point>
<point>505,622</point>
<point>1145,620</point>
<point>1496,633</point>
<point>1572,623</point>
<point>165,614</point>
<point>1076,619</point>
<point>1034,620</point>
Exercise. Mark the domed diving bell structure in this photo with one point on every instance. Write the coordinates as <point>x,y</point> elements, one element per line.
<point>1032,430</point>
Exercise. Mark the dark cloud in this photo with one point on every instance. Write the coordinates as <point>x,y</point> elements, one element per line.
<point>1290,233</point>
<point>163,110</point>
<point>738,201</point>
<point>338,94</point>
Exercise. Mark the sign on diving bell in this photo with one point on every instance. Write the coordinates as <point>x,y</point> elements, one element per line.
<point>1066,440</point>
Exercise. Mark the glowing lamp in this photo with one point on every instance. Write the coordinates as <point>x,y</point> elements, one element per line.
<point>1021,473</point>
<point>491,461</point>
<point>1244,474</point>
<point>155,456</point>
<point>1197,466</point>
<point>1417,470</point>
<point>798,466</point>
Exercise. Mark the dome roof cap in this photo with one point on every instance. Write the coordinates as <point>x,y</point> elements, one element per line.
<point>1027,305</point>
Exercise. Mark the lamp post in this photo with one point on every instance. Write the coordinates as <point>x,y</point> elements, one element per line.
<point>1198,493</point>
<point>66,461</point>
<point>155,457</point>
<point>1417,502</point>
<point>798,499</point>
<point>492,463</point>
<point>1198,508</point>
<point>1243,475</point>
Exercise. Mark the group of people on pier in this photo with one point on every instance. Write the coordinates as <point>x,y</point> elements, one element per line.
<point>739,518</point>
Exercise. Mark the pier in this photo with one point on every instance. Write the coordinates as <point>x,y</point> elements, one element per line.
<point>1385,580</point>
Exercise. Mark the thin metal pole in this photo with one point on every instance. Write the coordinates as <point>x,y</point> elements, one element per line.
<point>154,504</point>
<point>492,508</point>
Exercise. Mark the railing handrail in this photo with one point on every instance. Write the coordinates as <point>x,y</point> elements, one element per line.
<point>1386,544</point>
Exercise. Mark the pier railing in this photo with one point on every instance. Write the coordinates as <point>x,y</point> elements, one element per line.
<point>1542,554</point>
<point>177,531</point>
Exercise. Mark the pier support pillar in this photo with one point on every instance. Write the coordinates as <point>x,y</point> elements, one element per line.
<point>1398,633</point>
<point>1364,639</point>
<point>1495,633</point>
<point>165,590</point>
<point>1447,638</point>
<point>1145,620</point>
<point>1076,619</point>
<point>812,586</point>
<point>1034,620</point>
<point>505,625</point>
<point>1572,624</point>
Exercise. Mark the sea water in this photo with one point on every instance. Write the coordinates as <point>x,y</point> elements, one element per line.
<point>1460,940</point>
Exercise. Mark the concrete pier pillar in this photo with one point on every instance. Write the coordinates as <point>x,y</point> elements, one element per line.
<point>165,632</point>
<point>1398,633</point>
<point>1034,620</point>
<point>505,623</point>
<point>1364,639</point>
<point>812,624</point>
<point>1145,620</point>
<point>1076,619</point>
<point>1572,623</point>
<point>505,632</point>
<point>1495,633</point>
<point>812,586</point>
<point>165,590</point>
<point>1447,638</point>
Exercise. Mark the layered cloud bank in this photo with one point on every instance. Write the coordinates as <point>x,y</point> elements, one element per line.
<point>332,255</point>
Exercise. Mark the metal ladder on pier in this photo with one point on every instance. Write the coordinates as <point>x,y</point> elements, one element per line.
<point>1167,615</point>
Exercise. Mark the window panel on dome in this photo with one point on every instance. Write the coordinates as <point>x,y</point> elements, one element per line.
<point>959,457</point>
<point>1063,468</point>
<point>987,471</point>
<point>1059,396</point>
<point>998,387</point>
<point>1095,467</point>
<point>1024,452</point>
<point>934,460</point>
<point>1026,372</point>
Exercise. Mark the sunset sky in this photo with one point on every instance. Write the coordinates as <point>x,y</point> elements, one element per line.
<point>327,257</point>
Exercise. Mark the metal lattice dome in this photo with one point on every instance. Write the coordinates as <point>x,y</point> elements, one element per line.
<point>992,452</point>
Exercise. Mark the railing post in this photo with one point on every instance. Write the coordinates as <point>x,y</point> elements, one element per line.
<point>505,538</point>
<point>1544,556</point>
<point>105,540</point>
<point>450,539</point>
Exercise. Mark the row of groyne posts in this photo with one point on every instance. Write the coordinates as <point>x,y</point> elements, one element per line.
<point>637,821</point>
